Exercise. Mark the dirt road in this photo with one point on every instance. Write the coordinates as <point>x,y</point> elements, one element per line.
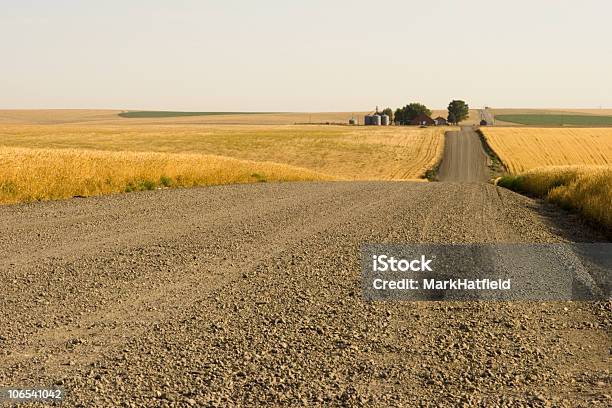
<point>464,159</point>
<point>250,295</point>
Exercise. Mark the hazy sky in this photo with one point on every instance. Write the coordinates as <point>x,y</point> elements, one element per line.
<point>284,55</point>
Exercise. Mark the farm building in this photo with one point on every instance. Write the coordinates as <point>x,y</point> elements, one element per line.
<point>422,119</point>
<point>376,119</point>
<point>372,120</point>
<point>440,121</point>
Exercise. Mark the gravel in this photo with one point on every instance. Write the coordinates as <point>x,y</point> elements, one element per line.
<point>250,295</point>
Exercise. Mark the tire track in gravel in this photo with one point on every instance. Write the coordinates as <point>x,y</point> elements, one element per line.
<point>175,294</point>
<point>464,159</point>
<point>250,295</point>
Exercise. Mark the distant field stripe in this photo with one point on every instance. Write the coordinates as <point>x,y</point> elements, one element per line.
<point>556,119</point>
<point>172,114</point>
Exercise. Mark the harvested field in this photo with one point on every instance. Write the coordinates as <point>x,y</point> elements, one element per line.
<point>355,153</point>
<point>522,149</point>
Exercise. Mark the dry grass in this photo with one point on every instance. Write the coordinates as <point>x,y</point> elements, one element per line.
<point>48,174</point>
<point>587,189</point>
<point>387,153</point>
<point>522,149</point>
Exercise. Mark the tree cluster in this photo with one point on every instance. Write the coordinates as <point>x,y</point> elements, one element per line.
<point>405,115</point>
<point>458,111</point>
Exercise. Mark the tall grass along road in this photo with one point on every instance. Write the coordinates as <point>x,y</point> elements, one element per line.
<point>571,167</point>
<point>586,189</point>
<point>250,295</point>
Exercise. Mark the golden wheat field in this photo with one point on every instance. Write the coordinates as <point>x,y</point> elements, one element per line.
<point>43,174</point>
<point>387,153</point>
<point>522,149</point>
<point>62,160</point>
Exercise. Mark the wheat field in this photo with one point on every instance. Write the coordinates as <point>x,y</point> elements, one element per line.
<point>570,167</point>
<point>50,174</point>
<point>359,153</point>
<point>522,149</point>
<point>55,161</point>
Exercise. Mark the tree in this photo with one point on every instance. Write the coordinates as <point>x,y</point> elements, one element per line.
<point>397,116</point>
<point>389,113</point>
<point>415,109</point>
<point>459,111</point>
<point>451,118</point>
<point>411,111</point>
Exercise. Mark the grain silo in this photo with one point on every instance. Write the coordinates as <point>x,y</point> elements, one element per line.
<point>377,119</point>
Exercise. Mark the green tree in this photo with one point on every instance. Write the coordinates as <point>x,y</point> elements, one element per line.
<point>407,113</point>
<point>389,113</point>
<point>451,118</point>
<point>459,110</point>
<point>415,109</point>
<point>397,116</point>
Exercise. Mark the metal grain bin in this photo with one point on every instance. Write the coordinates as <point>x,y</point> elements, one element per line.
<point>376,121</point>
<point>367,120</point>
<point>384,120</point>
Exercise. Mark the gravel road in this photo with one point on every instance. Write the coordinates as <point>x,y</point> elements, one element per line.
<point>464,159</point>
<point>249,295</point>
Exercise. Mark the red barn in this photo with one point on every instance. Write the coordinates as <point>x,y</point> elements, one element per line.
<point>422,119</point>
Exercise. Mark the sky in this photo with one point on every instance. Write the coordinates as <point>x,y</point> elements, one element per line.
<point>315,55</point>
